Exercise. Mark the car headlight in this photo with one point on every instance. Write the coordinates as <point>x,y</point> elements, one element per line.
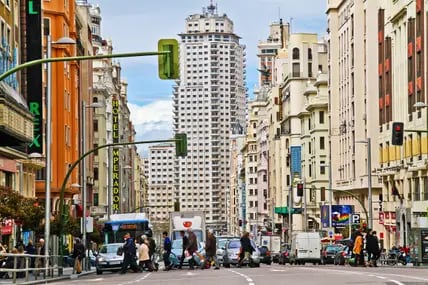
<point>101,259</point>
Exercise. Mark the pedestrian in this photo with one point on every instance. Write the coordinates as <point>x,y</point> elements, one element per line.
<point>78,255</point>
<point>143,255</point>
<point>39,262</point>
<point>31,250</point>
<point>372,244</point>
<point>211,249</point>
<point>167,247</point>
<point>152,251</point>
<point>192,247</point>
<point>185,243</point>
<point>129,254</point>
<point>247,248</point>
<point>358,250</point>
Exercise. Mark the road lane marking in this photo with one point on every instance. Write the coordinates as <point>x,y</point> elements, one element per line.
<point>383,274</point>
<point>396,282</point>
<point>249,280</point>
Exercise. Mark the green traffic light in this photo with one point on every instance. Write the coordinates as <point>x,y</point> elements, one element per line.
<point>168,65</point>
<point>181,144</point>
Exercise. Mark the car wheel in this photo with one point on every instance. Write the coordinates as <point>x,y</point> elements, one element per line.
<point>99,272</point>
<point>268,263</point>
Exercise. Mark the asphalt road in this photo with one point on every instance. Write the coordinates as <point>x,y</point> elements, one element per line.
<point>269,275</point>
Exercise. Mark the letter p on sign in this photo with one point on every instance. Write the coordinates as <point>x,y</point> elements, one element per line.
<point>355,219</point>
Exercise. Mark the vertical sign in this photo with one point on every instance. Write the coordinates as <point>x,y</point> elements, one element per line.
<point>296,161</point>
<point>116,157</point>
<point>34,73</point>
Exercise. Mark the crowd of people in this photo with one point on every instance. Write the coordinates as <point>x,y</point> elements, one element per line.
<point>147,248</point>
<point>372,248</point>
<point>8,262</point>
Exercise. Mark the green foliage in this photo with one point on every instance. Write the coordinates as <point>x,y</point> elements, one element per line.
<point>23,210</point>
<point>71,224</point>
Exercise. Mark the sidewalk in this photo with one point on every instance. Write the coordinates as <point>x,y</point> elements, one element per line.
<point>67,274</point>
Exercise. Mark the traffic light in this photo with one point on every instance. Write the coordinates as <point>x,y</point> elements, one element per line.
<point>96,199</point>
<point>181,144</point>
<point>300,189</point>
<point>168,64</point>
<point>397,133</point>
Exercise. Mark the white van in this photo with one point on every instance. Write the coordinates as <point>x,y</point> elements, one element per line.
<point>305,247</point>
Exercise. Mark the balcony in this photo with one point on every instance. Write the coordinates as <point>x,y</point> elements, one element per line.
<point>16,122</point>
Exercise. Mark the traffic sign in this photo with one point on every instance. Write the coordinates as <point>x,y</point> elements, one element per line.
<point>355,219</point>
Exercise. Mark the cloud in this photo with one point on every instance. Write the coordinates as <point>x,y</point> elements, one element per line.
<point>152,122</point>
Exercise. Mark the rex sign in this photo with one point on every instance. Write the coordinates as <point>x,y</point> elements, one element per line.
<point>34,73</point>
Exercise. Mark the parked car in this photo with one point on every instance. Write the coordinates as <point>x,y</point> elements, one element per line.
<point>328,252</point>
<point>107,258</point>
<point>231,254</point>
<point>342,256</point>
<point>265,256</point>
<point>221,242</point>
<point>284,256</point>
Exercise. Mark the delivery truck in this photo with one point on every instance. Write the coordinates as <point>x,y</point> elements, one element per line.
<point>305,247</point>
<point>273,243</point>
<point>182,221</point>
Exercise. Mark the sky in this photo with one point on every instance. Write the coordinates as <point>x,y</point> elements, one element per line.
<point>137,25</point>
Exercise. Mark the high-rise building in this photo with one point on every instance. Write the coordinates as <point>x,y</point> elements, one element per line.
<point>209,106</point>
<point>160,176</point>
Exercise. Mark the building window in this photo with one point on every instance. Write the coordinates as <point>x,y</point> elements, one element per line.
<point>296,69</point>
<point>322,167</point>
<point>309,54</point>
<point>322,143</point>
<point>322,194</point>
<point>321,114</point>
<point>296,53</point>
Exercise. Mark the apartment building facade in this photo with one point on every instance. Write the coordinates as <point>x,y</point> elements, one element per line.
<point>211,87</point>
<point>402,79</point>
<point>353,99</point>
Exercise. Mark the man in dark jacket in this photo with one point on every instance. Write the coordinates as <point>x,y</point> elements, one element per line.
<point>211,249</point>
<point>167,247</point>
<point>185,244</point>
<point>129,255</point>
<point>78,255</point>
<point>372,248</point>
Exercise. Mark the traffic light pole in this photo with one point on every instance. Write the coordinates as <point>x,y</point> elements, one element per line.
<point>71,168</point>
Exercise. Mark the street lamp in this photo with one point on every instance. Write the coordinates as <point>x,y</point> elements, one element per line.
<point>369,182</point>
<point>84,191</point>
<point>61,41</point>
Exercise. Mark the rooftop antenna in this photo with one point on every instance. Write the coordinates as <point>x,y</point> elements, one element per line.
<point>211,8</point>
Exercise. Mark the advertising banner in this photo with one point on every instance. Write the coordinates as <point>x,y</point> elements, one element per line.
<point>340,215</point>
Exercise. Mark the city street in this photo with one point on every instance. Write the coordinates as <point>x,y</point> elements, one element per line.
<point>274,274</point>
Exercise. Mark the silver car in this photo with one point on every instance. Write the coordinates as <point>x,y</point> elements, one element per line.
<point>231,254</point>
<point>107,258</point>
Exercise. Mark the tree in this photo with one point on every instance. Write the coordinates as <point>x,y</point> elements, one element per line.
<point>21,209</point>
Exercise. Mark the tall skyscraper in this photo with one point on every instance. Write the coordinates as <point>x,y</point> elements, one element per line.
<point>209,106</point>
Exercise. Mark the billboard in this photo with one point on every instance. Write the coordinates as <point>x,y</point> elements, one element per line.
<point>341,215</point>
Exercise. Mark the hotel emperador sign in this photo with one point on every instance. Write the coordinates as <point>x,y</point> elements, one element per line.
<point>116,157</point>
